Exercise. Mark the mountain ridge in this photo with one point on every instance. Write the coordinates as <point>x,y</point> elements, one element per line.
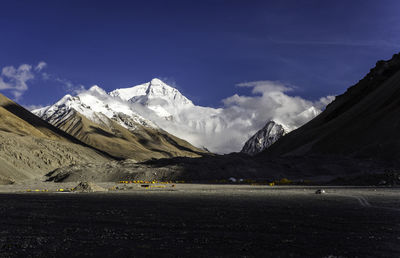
<point>31,147</point>
<point>362,122</point>
<point>101,120</point>
<point>158,105</point>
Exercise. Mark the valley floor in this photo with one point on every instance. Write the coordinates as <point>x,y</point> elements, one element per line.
<point>200,220</point>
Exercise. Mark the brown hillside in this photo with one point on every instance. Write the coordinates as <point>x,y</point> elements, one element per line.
<point>31,147</point>
<point>142,144</point>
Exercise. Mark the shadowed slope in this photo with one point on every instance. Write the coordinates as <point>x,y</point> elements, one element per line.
<point>363,123</point>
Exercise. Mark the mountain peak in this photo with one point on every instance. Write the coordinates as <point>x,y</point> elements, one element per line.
<point>155,89</point>
<point>96,89</point>
<point>264,138</point>
<point>157,82</point>
<point>64,99</point>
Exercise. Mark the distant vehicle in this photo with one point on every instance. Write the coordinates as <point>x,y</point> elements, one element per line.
<point>320,191</point>
<point>232,180</point>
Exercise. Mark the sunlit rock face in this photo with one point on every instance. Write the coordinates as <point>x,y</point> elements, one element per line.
<point>264,138</point>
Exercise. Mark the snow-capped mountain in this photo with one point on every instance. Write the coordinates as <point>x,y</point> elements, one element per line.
<point>264,138</point>
<point>273,130</point>
<point>157,105</point>
<point>96,105</point>
<point>155,89</point>
<point>112,124</point>
<point>165,101</point>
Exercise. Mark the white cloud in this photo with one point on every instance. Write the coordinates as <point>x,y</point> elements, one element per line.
<point>46,76</point>
<point>40,66</point>
<point>33,107</point>
<point>15,79</point>
<point>270,101</point>
<point>324,101</point>
<point>70,87</point>
<point>245,115</point>
<point>226,129</point>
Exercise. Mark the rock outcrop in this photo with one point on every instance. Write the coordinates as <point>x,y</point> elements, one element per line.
<point>264,138</point>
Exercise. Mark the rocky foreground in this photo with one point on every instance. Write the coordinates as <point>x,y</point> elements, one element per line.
<point>202,220</point>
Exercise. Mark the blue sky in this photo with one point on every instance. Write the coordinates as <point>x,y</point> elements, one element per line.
<point>204,48</point>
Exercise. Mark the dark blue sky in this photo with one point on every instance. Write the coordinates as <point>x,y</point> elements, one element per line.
<point>204,47</point>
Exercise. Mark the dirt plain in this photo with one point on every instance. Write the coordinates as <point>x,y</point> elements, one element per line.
<point>198,220</point>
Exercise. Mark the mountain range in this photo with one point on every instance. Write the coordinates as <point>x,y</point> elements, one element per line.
<point>109,123</point>
<point>126,134</point>
<point>154,106</point>
<point>357,134</point>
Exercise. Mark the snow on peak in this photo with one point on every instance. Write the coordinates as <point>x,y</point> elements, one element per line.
<point>96,105</point>
<point>264,138</point>
<point>161,90</point>
<point>97,89</point>
<point>275,129</point>
<point>157,81</point>
<point>164,100</point>
<point>156,88</point>
<point>310,112</point>
<point>156,104</point>
<point>60,109</point>
<point>64,99</point>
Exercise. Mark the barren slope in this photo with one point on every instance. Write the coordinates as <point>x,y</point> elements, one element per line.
<point>30,147</point>
<point>362,123</point>
<point>141,144</point>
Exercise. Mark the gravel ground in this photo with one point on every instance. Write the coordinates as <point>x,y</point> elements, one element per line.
<point>199,220</point>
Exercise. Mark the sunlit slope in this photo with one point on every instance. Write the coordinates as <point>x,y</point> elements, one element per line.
<point>31,147</point>
<point>16,119</point>
<point>141,144</point>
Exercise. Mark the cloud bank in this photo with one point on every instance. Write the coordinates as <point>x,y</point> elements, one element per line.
<point>245,115</point>
<point>226,129</point>
<point>15,79</point>
<point>69,86</point>
<point>270,101</point>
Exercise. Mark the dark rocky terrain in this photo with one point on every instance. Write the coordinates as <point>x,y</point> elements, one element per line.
<point>363,123</point>
<point>199,221</point>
